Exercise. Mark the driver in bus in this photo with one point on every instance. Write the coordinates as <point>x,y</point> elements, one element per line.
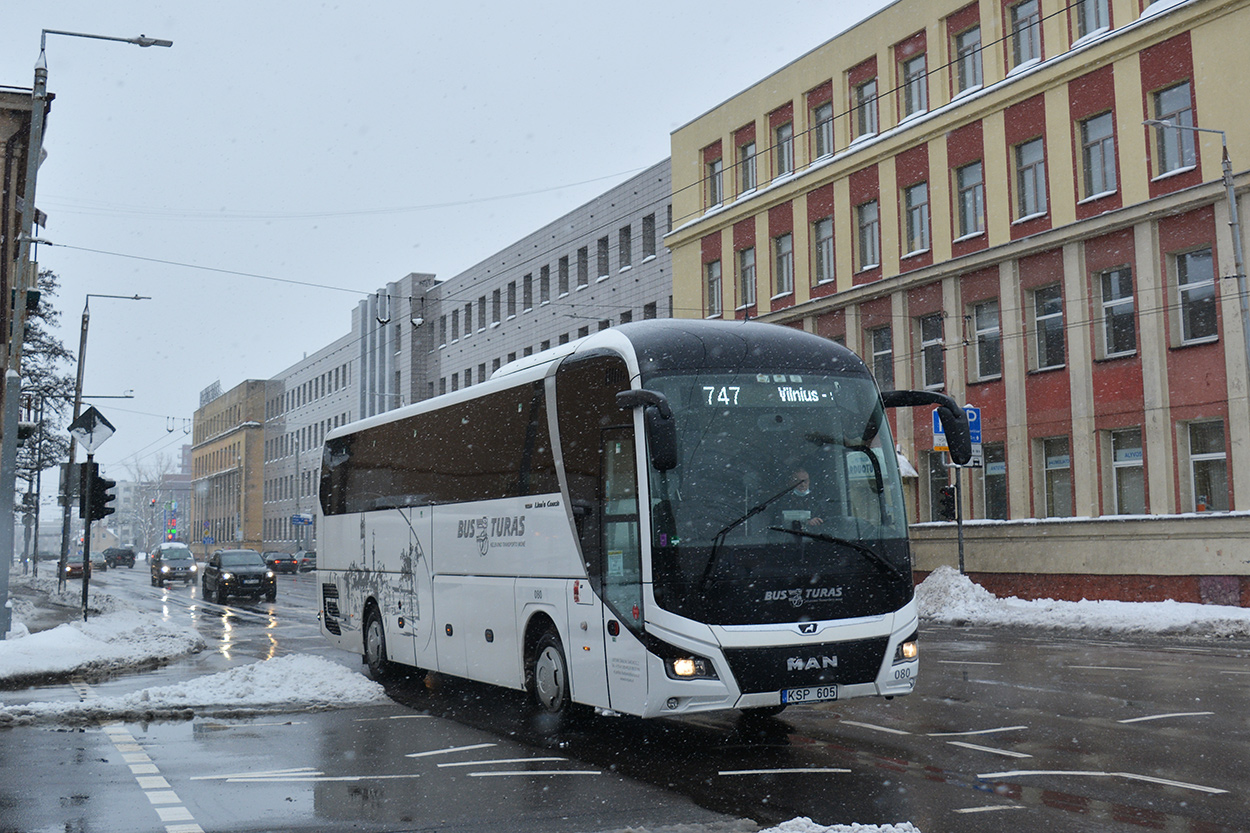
<point>800,508</point>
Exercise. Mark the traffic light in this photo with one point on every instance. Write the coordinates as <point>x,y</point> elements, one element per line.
<point>97,487</point>
<point>171,532</point>
<point>947,502</point>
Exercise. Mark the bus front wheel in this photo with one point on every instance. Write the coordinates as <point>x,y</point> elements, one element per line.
<point>375,645</point>
<point>549,675</point>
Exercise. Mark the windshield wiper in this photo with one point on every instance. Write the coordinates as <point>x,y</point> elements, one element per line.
<point>869,553</point>
<point>719,538</point>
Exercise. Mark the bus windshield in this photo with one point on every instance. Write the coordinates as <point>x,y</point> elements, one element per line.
<point>785,504</point>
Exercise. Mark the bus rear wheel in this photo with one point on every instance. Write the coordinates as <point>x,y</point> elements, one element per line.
<point>549,675</point>
<point>375,645</point>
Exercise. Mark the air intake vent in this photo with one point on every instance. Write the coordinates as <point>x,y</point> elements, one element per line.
<point>330,608</point>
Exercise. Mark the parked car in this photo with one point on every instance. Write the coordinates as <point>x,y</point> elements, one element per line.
<point>117,556</point>
<point>172,561</point>
<point>307,560</point>
<point>238,573</point>
<point>73,565</point>
<point>98,563</point>
<point>284,561</point>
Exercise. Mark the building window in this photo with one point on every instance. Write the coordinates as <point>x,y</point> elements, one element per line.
<point>746,167</point>
<point>511,299</point>
<point>968,59</point>
<point>1058,477</point>
<point>1092,16</point>
<point>648,236</point>
<point>527,292</point>
<point>1208,466</point>
<point>932,352</point>
<point>562,276</point>
<point>939,476</point>
<point>915,86</point>
<point>1026,32</point>
<point>1030,179</point>
<point>866,108</point>
<point>712,291</point>
<point>994,480</point>
<point>583,267</point>
<point>1098,155</point>
<point>746,276</point>
<point>783,257</point>
<point>715,183</point>
<point>625,247</point>
<point>1119,336</point>
<point>916,208</point>
<point>784,144</point>
<point>882,341</point>
<point>868,223</point>
<point>1195,282</point>
<point>989,340</point>
<point>970,192</point>
<point>544,285</point>
<point>496,304</point>
<point>1175,147</point>
<point>823,241</point>
<point>1048,319</point>
<point>442,335</point>
<point>649,311</point>
<point>455,325</point>
<point>822,129</point>
<point>1128,475</point>
<point>603,257</point>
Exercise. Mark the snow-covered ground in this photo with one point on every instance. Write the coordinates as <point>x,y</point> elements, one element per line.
<point>118,639</point>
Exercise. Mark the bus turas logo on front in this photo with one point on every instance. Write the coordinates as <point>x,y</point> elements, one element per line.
<point>798,596</point>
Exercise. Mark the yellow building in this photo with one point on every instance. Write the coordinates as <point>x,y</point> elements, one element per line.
<point>966,195</point>
<point>227,469</point>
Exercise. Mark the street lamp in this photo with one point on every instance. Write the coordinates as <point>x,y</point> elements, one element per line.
<point>24,279</point>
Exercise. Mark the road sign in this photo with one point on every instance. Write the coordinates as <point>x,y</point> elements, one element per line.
<point>974,435</point>
<point>91,429</point>
<point>208,539</point>
<point>302,519</point>
<point>939,433</point>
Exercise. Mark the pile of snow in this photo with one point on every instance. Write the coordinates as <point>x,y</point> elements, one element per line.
<point>284,684</point>
<point>948,597</point>
<point>106,643</point>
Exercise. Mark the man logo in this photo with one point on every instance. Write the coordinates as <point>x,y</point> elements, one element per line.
<point>807,627</point>
<point>811,663</point>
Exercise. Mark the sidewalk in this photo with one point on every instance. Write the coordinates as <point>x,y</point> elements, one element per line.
<point>39,606</point>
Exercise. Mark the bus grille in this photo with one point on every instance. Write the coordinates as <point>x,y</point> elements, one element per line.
<point>330,608</point>
<point>772,669</point>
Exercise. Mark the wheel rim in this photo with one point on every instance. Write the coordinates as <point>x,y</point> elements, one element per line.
<point>549,679</point>
<point>373,644</point>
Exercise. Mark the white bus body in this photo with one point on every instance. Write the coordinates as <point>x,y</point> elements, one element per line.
<point>536,532</point>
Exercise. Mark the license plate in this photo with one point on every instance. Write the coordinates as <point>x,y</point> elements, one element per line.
<point>811,694</point>
<point>251,581</point>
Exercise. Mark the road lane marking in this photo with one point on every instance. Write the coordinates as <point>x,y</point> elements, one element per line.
<point>1102,668</point>
<point>513,773</point>
<point>988,809</point>
<point>990,749</point>
<point>303,770</point>
<point>785,771</point>
<point>977,732</point>
<point>964,662</point>
<point>990,776</point>
<point>1165,716</point>
<point>174,814</point>
<point>163,797</point>
<point>315,776</point>
<point>875,728</point>
<point>394,717</point>
<point>503,761</point>
<point>448,750</point>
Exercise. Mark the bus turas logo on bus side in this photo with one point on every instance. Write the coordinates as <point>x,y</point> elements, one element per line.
<point>484,530</point>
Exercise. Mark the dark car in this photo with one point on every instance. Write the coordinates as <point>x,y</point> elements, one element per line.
<point>73,565</point>
<point>117,556</point>
<point>307,560</point>
<point>238,573</point>
<point>172,562</point>
<point>284,561</point>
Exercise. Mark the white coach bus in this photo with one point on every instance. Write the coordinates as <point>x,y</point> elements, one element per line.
<point>607,524</point>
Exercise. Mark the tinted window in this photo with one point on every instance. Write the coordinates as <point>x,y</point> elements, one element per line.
<point>241,559</point>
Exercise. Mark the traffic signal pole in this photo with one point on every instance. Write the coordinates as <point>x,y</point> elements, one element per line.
<point>86,486</point>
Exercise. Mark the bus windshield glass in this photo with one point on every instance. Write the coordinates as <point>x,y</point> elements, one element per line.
<point>786,503</point>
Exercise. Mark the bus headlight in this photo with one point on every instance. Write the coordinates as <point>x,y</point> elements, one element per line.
<point>690,668</point>
<point>908,650</point>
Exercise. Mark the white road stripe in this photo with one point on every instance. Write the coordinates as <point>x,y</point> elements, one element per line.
<point>303,770</point>
<point>834,769</point>
<point>1165,716</point>
<point>1102,668</point>
<point>394,717</point>
<point>988,809</point>
<point>964,662</point>
<point>875,727</point>
<point>512,773</point>
<point>990,776</point>
<point>448,750</point>
<point>503,761</point>
<point>311,777</point>
<point>989,749</point>
<point>977,732</point>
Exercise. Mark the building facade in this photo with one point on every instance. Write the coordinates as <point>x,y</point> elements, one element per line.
<point>228,468</point>
<point>966,195</point>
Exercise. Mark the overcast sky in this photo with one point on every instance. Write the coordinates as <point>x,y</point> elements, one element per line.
<point>341,145</point>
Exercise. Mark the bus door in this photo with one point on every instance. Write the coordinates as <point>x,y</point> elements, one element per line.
<point>621,570</point>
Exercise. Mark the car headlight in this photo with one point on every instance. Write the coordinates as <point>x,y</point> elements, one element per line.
<point>690,668</point>
<point>269,574</point>
<point>908,649</point>
<point>227,576</point>
<point>194,568</point>
<point>164,569</point>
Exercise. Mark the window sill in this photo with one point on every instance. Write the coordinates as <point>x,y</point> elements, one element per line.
<point>969,90</point>
<point>867,267</point>
<point>1030,218</point>
<point>968,237</point>
<point>602,278</point>
<point>986,379</point>
<point>1048,368</point>
<point>787,294</point>
<point>1100,196</point>
<point>826,281</point>
<point>712,315</point>
<point>745,307</point>
<point>624,269</point>
<point>1111,357</point>
<point>1196,342</point>
<point>917,253</point>
<point>1174,172</point>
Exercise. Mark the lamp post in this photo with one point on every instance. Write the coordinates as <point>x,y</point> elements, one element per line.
<point>24,279</point>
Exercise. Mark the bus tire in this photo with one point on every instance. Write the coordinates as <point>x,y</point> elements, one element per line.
<point>549,675</point>
<point>375,645</point>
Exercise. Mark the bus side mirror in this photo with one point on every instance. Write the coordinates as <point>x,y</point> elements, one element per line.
<point>657,415</point>
<point>954,420</point>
